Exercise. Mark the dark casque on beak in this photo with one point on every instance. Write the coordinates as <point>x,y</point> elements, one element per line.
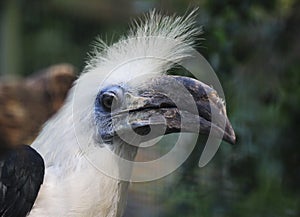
<point>174,104</point>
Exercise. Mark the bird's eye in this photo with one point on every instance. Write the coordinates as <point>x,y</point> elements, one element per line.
<point>107,100</point>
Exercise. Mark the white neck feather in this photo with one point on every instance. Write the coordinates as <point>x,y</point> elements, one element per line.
<point>73,186</point>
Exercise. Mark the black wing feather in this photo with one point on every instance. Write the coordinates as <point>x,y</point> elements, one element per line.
<point>21,175</point>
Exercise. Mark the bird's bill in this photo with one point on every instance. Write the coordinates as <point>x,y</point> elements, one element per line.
<point>170,104</point>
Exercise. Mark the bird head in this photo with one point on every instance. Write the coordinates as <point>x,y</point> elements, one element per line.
<point>124,97</point>
<point>128,96</point>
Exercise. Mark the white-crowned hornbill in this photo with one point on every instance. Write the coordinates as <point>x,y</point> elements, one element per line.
<point>122,91</point>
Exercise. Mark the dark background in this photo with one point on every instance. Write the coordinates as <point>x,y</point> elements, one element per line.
<point>254,48</point>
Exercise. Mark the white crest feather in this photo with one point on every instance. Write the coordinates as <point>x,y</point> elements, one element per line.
<point>166,38</point>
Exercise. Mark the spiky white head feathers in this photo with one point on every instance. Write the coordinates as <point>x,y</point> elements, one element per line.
<point>152,46</point>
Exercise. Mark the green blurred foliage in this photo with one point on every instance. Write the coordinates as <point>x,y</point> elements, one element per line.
<point>255,49</point>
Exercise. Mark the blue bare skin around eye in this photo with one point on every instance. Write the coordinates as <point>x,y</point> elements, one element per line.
<point>117,89</point>
<point>101,115</point>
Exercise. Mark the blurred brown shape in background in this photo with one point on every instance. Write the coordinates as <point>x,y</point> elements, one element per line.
<point>25,105</point>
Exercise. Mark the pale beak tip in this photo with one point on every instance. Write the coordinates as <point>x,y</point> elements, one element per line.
<point>229,134</point>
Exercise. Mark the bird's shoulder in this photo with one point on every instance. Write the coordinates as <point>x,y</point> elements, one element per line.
<point>21,175</point>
